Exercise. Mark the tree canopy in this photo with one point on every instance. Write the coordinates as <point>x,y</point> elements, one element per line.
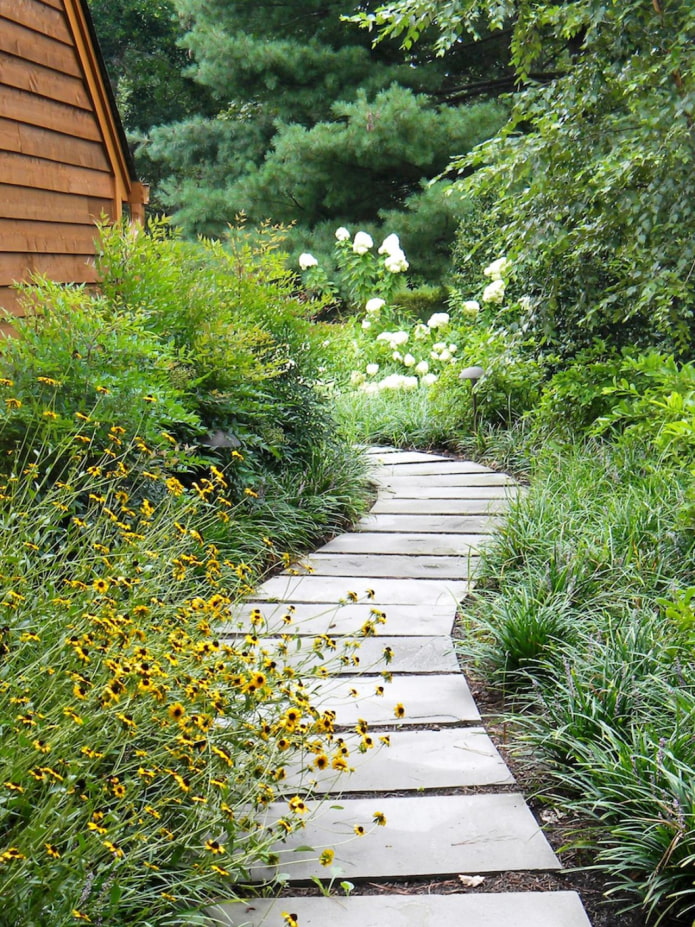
<point>591,184</point>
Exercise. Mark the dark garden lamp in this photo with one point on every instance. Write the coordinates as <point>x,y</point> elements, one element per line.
<point>472,374</point>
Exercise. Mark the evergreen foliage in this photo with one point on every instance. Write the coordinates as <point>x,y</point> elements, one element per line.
<point>314,127</point>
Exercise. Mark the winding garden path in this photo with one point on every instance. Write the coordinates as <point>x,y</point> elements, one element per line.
<point>449,801</point>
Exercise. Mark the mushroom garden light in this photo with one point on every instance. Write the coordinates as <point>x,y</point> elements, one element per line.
<point>473,374</point>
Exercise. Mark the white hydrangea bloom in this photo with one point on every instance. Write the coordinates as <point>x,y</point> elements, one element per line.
<point>453,348</point>
<point>356,378</point>
<point>307,260</point>
<point>398,338</point>
<point>421,331</point>
<point>438,320</point>
<point>497,269</point>
<point>384,336</point>
<point>342,233</point>
<point>366,324</point>
<point>422,368</point>
<point>372,369</point>
<point>445,355</point>
<point>390,245</point>
<point>494,292</point>
<point>397,356</point>
<point>396,262</point>
<point>374,305</point>
<point>362,243</point>
<point>397,381</point>
<point>409,360</point>
<point>429,379</point>
<point>370,387</point>
<point>439,346</point>
<point>470,308</point>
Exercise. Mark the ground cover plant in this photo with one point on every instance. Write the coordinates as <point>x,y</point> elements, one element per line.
<point>585,622</point>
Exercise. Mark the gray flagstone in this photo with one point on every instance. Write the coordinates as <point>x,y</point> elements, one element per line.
<point>439,506</point>
<point>385,565</point>
<point>332,589</point>
<point>443,699</point>
<point>424,835</point>
<point>405,542</point>
<point>415,760</point>
<point>507,909</point>
<point>430,524</point>
<point>394,457</point>
<point>486,478</point>
<point>432,468</point>
<point>330,618</point>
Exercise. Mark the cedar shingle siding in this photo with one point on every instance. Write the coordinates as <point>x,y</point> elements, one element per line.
<point>63,159</point>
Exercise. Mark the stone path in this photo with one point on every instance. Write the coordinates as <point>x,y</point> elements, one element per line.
<point>448,799</point>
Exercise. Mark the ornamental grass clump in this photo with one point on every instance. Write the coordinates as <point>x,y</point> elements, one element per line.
<point>139,748</point>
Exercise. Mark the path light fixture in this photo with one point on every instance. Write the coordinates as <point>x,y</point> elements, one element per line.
<point>473,374</point>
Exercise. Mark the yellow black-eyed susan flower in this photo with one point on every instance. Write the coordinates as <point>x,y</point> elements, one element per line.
<point>213,846</point>
<point>327,857</point>
<point>399,710</point>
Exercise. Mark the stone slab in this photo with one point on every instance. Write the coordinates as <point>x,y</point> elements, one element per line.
<point>397,506</point>
<point>507,909</point>
<point>312,619</point>
<point>385,565</point>
<point>429,524</point>
<point>415,760</point>
<point>407,542</point>
<point>334,589</point>
<point>442,699</point>
<point>489,478</point>
<point>429,836</point>
<point>407,655</point>
<point>416,490</point>
<point>393,457</point>
<point>431,467</point>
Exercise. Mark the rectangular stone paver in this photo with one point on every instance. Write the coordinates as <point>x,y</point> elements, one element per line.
<point>384,565</point>
<point>432,468</point>
<point>412,655</point>
<point>423,483</point>
<point>442,699</point>
<point>507,909</point>
<point>450,758</point>
<point>394,456</point>
<point>431,524</point>
<point>317,618</point>
<point>425,835</point>
<point>416,490</point>
<point>395,506</point>
<point>407,542</point>
<point>333,589</point>
<point>408,655</point>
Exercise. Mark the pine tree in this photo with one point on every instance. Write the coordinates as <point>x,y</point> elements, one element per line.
<point>314,126</point>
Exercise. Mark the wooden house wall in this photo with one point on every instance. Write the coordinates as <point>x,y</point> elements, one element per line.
<point>56,168</point>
